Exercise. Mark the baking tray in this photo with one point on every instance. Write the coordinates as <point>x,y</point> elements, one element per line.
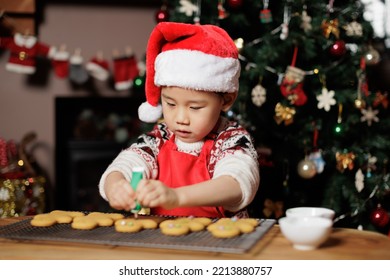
<point>150,238</point>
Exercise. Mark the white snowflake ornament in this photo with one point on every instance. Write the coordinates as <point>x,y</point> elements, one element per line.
<point>187,8</point>
<point>369,116</point>
<point>306,21</point>
<point>354,29</point>
<point>325,99</point>
<point>259,95</point>
<point>359,180</point>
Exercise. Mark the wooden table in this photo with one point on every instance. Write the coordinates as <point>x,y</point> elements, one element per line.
<point>343,243</point>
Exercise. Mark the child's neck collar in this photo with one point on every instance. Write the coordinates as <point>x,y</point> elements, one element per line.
<point>188,147</point>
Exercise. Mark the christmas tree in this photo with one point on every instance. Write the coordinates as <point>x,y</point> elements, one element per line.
<point>311,97</point>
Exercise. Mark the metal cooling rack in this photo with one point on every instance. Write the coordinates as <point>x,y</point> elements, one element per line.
<point>151,238</point>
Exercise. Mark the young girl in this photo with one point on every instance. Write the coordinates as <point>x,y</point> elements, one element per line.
<point>196,162</point>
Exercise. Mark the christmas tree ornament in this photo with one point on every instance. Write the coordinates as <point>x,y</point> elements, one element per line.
<point>316,157</point>
<point>265,13</point>
<point>188,8</point>
<point>259,95</point>
<point>359,180</point>
<point>292,83</point>
<point>326,99</point>
<point>372,56</point>
<point>362,85</point>
<point>345,161</point>
<point>98,67</point>
<point>305,20</point>
<point>376,13</point>
<point>369,116</point>
<point>286,22</point>
<point>162,15</point>
<point>338,48</point>
<point>235,4</point>
<point>77,72</point>
<point>371,165</point>
<point>284,114</point>
<point>316,154</point>
<point>306,168</point>
<point>292,86</point>
<point>380,99</point>
<point>379,216</point>
<point>353,29</point>
<point>60,62</point>
<point>222,14</point>
<point>24,50</point>
<point>239,42</point>
<point>330,27</point>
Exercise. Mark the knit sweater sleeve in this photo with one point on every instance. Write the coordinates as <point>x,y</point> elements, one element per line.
<point>236,156</point>
<point>244,169</point>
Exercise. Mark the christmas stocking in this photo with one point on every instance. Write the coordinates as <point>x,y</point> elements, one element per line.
<point>125,71</point>
<point>77,73</point>
<point>133,68</point>
<point>292,86</point>
<point>98,68</point>
<point>121,79</point>
<point>60,63</point>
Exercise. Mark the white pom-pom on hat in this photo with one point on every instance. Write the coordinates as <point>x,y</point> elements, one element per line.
<point>199,57</point>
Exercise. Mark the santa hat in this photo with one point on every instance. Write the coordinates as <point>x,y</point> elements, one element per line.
<point>199,57</point>
<point>98,68</point>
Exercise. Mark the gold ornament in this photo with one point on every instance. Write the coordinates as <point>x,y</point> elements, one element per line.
<point>284,114</point>
<point>345,161</point>
<point>359,103</point>
<point>330,27</point>
<point>307,168</point>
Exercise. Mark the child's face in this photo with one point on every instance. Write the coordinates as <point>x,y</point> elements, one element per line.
<point>191,114</point>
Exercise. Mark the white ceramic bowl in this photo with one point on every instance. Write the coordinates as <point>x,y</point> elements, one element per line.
<point>306,233</point>
<point>310,212</point>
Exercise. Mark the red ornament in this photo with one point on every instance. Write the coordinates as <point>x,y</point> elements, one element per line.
<point>379,217</point>
<point>338,48</point>
<point>162,15</point>
<point>234,3</point>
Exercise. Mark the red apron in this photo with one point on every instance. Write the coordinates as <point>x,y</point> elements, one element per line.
<point>177,169</point>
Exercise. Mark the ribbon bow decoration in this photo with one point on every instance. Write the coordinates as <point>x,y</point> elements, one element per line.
<point>345,160</point>
<point>381,99</point>
<point>330,27</point>
<point>284,114</point>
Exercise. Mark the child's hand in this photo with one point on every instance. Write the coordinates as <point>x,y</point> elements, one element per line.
<point>153,193</point>
<point>119,193</point>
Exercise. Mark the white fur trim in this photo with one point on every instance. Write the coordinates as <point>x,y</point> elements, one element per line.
<point>18,68</point>
<point>61,56</point>
<point>97,71</point>
<point>123,85</point>
<point>25,41</point>
<point>148,113</point>
<point>52,52</point>
<point>197,70</point>
<point>76,59</point>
